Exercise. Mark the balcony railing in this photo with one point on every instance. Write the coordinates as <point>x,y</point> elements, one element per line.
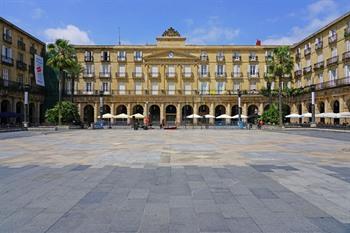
<point>319,45</point>
<point>88,58</point>
<point>137,59</point>
<point>105,59</point>
<point>204,75</point>
<point>333,83</point>
<point>298,73</point>
<point>319,65</point>
<point>297,56</point>
<point>332,39</point>
<point>237,75</point>
<point>220,58</point>
<point>204,58</point>
<point>154,75</point>
<point>21,45</point>
<point>346,56</point>
<point>21,65</point>
<point>121,58</point>
<point>121,74</point>
<point>170,74</point>
<point>253,75</point>
<point>19,87</point>
<point>253,58</point>
<point>236,58</point>
<point>7,60</point>
<point>187,74</point>
<point>307,51</point>
<point>105,75</point>
<point>32,50</point>
<point>220,74</point>
<point>137,74</point>
<point>7,38</point>
<point>88,74</point>
<point>307,70</point>
<point>332,61</point>
<point>347,32</point>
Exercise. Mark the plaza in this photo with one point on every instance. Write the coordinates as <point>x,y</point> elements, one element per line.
<point>175,181</point>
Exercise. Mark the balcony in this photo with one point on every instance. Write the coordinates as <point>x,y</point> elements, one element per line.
<point>21,65</point>
<point>253,58</point>
<point>297,56</point>
<point>137,59</point>
<point>121,74</point>
<point>319,65</point>
<point>307,51</point>
<point>137,74</point>
<point>347,32</point>
<point>253,75</point>
<point>7,38</point>
<point>204,75</point>
<point>88,58</point>
<point>332,61</point>
<point>187,74</point>
<point>346,57</point>
<point>90,74</point>
<point>7,60</point>
<point>220,75</point>
<point>154,75</point>
<point>204,58</point>
<point>307,70</point>
<point>332,39</point>
<point>21,45</point>
<point>268,58</point>
<point>105,75</point>
<point>318,45</point>
<point>170,74</point>
<point>298,73</point>
<point>237,75</point>
<point>236,58</point>
<point>105,59</point>
<point>121,58</point>
<point>220,58</point>
<point>32,50</point>
<point>333,83</point>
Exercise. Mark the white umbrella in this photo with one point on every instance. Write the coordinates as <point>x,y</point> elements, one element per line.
<point>192,116</point>
<point>138,116</point>
<point>344,115</point>
<point>121,116</point>
<point>223,116</point>
<point>208,116</point>
<point>107,116</point>
<point>331,115</point>
<point>306,115</point>
<point>293,115</point>
<point>320,115</point>
<point>237,116</point>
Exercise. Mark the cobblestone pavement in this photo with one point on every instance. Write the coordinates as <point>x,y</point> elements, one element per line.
<point>174,181</point>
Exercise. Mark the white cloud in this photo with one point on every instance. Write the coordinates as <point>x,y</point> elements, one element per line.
<point>316,15</point>
<point>212,32</point>
<point>71,33</point>
<point>38,13</point>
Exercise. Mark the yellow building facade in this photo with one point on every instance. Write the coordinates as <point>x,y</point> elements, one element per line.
<point>17,70</point>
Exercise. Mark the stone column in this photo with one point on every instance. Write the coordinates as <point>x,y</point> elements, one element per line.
<point>211,112</point>
<point>178,114</point>
<point>341,108</point>
<point>96,111</point>
<point>128,109</point>
<point>80,112</point>
<point>228,112</point>
<point>112,112</point>
<point>244,109</point>
<point>195,111</point>
<point>261,109</point>
<point>162,113</point>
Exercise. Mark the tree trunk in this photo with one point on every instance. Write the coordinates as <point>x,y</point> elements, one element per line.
<point>59,97</point>
<point>270,93</point>
<point>280,102</point>
<point>72,89</point>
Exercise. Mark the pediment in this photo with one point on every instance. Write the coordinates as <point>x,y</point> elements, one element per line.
<point>170,55</point>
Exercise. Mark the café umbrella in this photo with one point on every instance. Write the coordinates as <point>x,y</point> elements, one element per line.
<point>208,116</point>
<point>223,116</point>
<point>138,116</point>
<point>293,115</point>
<point>193,116</point>
<point>237,116</point>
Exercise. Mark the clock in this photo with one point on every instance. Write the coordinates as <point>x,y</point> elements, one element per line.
<point>171,55</point>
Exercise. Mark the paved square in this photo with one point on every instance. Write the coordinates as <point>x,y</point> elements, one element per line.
<point>175,181</point>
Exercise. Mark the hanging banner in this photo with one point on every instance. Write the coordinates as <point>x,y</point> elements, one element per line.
<point>39,70</point>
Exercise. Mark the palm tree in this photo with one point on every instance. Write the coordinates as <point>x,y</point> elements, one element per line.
<point>74,70</point>
<point>281,67</point>
<point>61,56</point>
<point>269,78</point>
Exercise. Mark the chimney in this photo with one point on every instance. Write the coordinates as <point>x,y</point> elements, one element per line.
<point>258,43</point>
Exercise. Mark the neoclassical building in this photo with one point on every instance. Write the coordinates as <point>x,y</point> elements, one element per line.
<point>16,70</point>
<point>172,79</point>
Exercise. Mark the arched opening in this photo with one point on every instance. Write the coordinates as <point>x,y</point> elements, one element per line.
<point>88,114</point>
<point>202,111</point>
<point>267,106</point>
<point>186,111</point>
<point>32,113</point>
<point>42,113</point>
<point>252,113</point>
<point>300,112</point>
<point>336,110</point>
<point>20,112</point>
<point>121,109</point>
<point>321,108</point>
<point>106,109</point>
<point>137,109</point>
<point>170,115</point>
<point>219,110</point>
<point>285,112</point>
<point>154,112</point>
<point>234,110</point>
<point>5,109</point>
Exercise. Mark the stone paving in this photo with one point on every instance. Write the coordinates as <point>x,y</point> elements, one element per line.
<point>175,181</point>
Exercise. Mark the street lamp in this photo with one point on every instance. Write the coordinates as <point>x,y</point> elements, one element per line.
<point>313,122</point>
<point>239,106</point>
<point>101,105</point>
<point>26,100</point>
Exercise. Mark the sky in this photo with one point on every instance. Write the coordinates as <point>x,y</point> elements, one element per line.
<point>208,22</point>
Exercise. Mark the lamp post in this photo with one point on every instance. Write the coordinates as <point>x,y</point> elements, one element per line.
<point>26,100</point>
<point>101,105</point>
<point>313,122</point>
<point>239,107</point>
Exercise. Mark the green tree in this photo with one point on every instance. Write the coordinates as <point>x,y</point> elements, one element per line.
<point>61,56</point>
<point>269,78</point>
<point>74,70</point>
<point>281,67</point>
<point>271,115</point>
<point>69,113</point>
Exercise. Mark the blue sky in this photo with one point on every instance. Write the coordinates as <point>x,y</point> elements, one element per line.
<point>201,21</point>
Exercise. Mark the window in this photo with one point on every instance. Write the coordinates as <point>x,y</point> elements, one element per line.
<point>308,62</point>
<point>88,87</point>
<point>236,86</point>
<point>138,55</point>
<point>68,88</point>
<point>188,88</point>
<point>320,58</point>
<point>138,88</point>
<point>6,52</point>
<point>88,56</point>
<point>121,56</point>
<point>154,71</point>
<point>297,66</point>
<point>5,76</point>
<point>105,56</point>
<point>203,70</point>
<point>154,88</point>
<point>332,32</point>
<point>220,69</point>
<point>7,31</point>
<point>236,56</point>
<point>332,74</point>
<point>122,88</point>
<point>204,88</point>
<point>105,69</point>
<point>220,87</point>
<point>220,56</point>
<point>138,71</point>
<point>253,70</point>
<point>347,71</point>
<point>105,87</point>
<point>89,69</point>
<point>320,78</point>
<point>187,71</point>
<point>204,56</point>
<point>347,46</point>
<point>334,52</point>
<point>236,70</point>
<point>171,88</point>
<point>171,71</point>
<point>252,86</point>
<point>122,71</point>
<point>272,85</point>
<point>252,56</point>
